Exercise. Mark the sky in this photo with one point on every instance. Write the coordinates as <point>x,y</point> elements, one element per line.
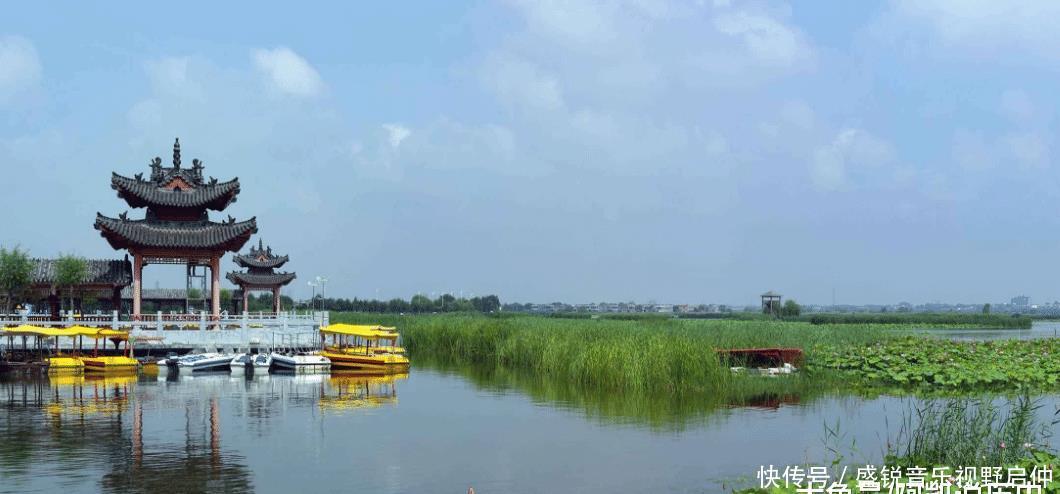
<point>625,150</point>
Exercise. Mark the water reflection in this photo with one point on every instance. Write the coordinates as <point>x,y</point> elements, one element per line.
<point>90,432</point>
<point>660,410</point>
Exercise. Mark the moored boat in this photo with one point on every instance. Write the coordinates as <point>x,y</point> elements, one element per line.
<point>364,348</point>
<point>304,361</point>
<point>204,361</point>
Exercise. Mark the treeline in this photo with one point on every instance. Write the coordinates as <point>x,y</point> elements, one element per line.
<point>947,319</point>
<point>418,304</point>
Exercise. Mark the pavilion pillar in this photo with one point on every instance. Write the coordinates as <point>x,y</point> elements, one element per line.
<point>215,287</point>
<point>276,300</point>
<point>115,299</point>
<point>246,297</point>
<point>53,305</point>
<point>138,271</point>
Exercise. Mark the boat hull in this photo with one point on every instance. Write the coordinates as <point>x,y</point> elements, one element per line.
<point>65,363</point>
<point>390,364</point>
<point>311,363</point>
<point>100,364</point>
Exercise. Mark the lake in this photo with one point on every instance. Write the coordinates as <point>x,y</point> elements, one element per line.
<point>434,430</point>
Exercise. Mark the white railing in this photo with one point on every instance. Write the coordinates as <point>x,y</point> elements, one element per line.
<point>275,330</point>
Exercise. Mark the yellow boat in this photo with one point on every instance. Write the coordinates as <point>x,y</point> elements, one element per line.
<point>65,363</point>
<point>357,347</point>
<point>98,363</point>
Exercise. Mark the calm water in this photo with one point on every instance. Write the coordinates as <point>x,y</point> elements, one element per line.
<point>430,431</point>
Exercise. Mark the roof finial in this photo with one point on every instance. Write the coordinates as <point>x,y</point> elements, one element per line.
<point>176,153</point>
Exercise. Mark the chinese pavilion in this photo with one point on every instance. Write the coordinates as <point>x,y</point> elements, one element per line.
<point>261,264</point>
<point>176,229</point>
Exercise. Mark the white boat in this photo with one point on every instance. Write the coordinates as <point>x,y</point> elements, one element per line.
<point>204,361</point>
<point>262,361</point>
<point>305,362</point>
<point>241,361</point>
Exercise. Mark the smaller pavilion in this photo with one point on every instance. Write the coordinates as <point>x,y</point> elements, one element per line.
<point>261,275</point>
<point>771,303</point>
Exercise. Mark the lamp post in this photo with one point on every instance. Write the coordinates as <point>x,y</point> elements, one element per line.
<point>313,300</point>
<point>322,283</point>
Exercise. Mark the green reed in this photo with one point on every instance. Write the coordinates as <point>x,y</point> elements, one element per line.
<point>977,431</point>
<point>658,355</point>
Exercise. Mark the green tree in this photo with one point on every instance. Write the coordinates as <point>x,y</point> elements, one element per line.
<point>986,308</point>
<point>226,297</point>
<point>420,303</point>
<point>16,268</point>
<point>790,308</point>
<point>70,271</point>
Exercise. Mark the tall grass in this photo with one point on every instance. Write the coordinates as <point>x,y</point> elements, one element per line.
<point>969,432</point>
<point>651,355</point>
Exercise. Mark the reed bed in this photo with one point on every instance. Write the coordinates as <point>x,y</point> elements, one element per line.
<point>653,355</point>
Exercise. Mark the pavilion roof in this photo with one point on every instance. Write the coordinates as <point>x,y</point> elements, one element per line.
<point>115,272</point>
<point>260,279</point>
<point>260,257</point>
<point>123,233</point>
<point>140,193</point>
<point>175,187</point>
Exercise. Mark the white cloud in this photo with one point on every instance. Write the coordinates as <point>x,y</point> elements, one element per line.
<point>986,27</point>
<point>850,149</point>
<point>767,39</point>
<point>396,133</point>
<point>288,72</point>
<point>20,68</point>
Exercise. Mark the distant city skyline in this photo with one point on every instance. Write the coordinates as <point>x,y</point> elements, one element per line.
<point>540,151</point>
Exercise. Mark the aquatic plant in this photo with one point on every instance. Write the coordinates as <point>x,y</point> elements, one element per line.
<point>941,363</point>
<point>991,321</point>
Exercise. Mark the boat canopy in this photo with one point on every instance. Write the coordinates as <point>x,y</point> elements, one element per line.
<point>362,331</point>
<point>98,333</point>
<point>27,330</point>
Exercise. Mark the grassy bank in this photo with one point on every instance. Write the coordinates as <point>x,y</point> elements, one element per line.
<point>993,321</point>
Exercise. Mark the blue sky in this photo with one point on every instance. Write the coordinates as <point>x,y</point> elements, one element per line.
<point>578,151</point>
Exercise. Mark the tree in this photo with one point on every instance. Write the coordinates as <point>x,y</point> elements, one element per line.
<point>15,271</point>
<point>420,303</point>
<point>70,271</point>
<point>790,309</point>
<point>226,297</point>
<point>986,308</point>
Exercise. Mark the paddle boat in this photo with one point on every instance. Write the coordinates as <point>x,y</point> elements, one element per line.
<point>364,348</point>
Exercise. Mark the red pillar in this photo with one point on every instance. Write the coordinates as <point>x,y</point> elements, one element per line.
<point>246,298</point>
<point>138,271</point>
<point>215,287</point>
<point>276,300</point>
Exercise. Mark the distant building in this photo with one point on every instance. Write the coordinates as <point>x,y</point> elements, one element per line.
<point>1021,301</point>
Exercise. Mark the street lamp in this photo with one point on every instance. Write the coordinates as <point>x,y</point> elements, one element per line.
<point>313,300</point>
<point>322,283</point>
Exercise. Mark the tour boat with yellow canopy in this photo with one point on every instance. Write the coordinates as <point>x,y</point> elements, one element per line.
<point>58,361</point>
<point>364,347</point>
<point>98,362</point>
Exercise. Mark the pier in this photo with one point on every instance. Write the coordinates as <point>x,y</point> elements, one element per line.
<point>160,333</point>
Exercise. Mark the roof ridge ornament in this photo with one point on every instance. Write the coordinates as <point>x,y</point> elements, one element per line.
<point>176,154</point>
